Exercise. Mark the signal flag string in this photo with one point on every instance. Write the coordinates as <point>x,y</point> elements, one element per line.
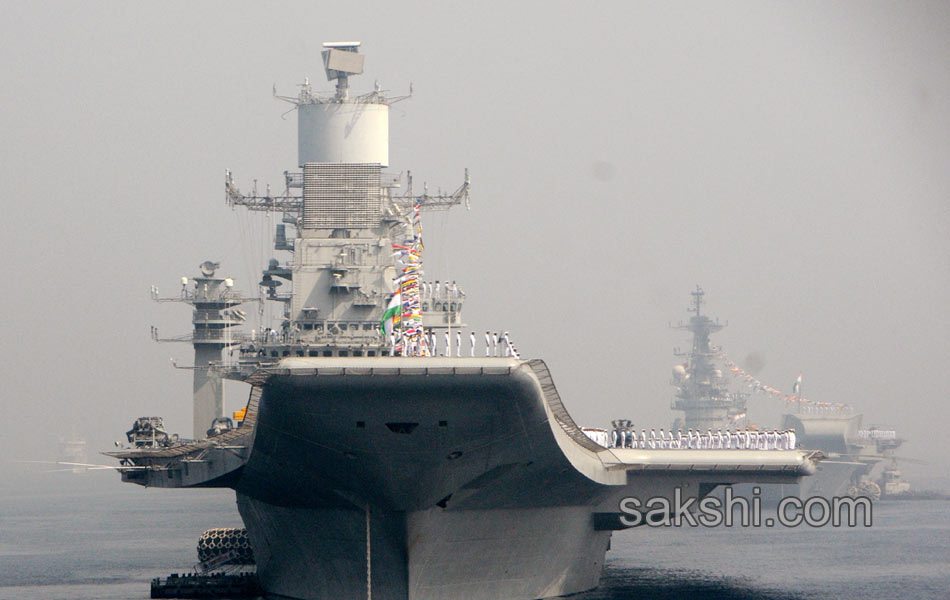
<point>795,397</point>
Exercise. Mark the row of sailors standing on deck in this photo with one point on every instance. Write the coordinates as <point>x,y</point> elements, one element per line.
<point>495,344</point>
<point>694,440</point>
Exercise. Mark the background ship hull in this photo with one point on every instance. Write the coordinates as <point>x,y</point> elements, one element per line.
<point>832,478</point>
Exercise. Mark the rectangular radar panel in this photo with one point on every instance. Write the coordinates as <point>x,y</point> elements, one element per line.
<point>342,62</point>
<point>341,196</point>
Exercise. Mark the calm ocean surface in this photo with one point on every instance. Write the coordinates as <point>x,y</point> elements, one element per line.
<point>79,537</point>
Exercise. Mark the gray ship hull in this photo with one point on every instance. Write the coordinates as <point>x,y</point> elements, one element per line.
<point>477,554</point>
<point>467,492</point>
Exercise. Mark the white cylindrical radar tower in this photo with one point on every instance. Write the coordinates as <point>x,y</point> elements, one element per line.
<point>341,129</point>
<point>344,132</point>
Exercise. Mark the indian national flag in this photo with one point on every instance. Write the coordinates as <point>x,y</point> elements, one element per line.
<point>797,386</point>
<point>392,315</point>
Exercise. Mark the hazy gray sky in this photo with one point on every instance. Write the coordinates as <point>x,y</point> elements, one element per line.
<point>791,158</point>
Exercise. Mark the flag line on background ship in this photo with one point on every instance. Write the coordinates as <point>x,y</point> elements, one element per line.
<point>758,386</point>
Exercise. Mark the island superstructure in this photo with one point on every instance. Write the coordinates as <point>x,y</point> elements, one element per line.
<point>380,453</point>
<point>702,393</point>
<point>709,402</point>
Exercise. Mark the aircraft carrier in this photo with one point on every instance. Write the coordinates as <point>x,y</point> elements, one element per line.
<point>705,396</point>
<point>384,452</point>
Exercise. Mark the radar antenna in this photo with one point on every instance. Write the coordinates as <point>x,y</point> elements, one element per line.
<point>340,60</point>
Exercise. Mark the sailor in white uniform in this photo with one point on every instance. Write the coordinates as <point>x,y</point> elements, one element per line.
<point>509,347</point>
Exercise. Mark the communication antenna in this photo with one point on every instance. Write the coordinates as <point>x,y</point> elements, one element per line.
<point>341,59</point>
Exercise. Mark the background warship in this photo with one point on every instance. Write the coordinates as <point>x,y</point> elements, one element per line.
<point>850,452</point>
<point>381,452</point>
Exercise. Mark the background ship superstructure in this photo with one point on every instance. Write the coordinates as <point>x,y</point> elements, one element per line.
<point>709,399</point>
<point>702,391</point>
